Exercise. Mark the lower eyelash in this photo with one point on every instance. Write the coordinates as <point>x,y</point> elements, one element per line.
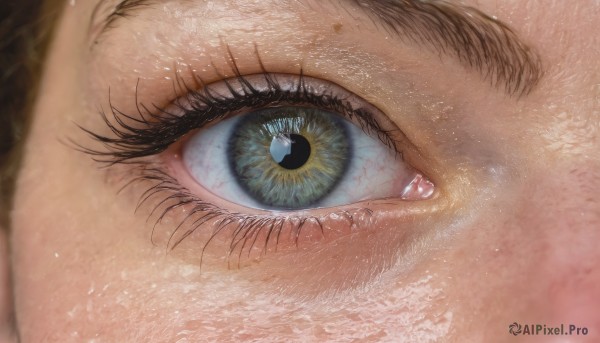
<point>247,228</point>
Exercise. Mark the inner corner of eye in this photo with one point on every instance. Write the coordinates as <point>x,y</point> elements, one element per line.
<point>296,158</point>
<point>419,188</point>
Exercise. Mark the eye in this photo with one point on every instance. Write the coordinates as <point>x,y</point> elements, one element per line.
<point>295,157</point>
<point>226,151</point>
<point>298,156</point>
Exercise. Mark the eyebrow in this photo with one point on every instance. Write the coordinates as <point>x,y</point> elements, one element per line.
<point>479,41</point>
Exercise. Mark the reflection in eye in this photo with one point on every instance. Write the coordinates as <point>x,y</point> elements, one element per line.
<point>293,158</point>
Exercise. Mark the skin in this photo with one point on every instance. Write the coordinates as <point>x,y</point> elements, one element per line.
<point>511,234</point>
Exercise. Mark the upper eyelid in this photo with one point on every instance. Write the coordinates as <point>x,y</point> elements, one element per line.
<point>135,136</point>
<point>349,102</point>
<point>479,41</point>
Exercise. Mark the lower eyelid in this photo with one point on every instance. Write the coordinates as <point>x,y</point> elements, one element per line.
<point>172,205</point>
<point>298,228</point>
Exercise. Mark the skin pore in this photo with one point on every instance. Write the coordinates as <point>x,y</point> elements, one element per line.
<point>510,234</point>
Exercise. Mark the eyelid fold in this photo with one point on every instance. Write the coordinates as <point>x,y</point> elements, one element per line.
<point>153,129</point>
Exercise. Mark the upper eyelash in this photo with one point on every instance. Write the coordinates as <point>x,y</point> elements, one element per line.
<point>154,131</point>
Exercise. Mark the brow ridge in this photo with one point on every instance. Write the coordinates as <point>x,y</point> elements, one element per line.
<point>476,39</point>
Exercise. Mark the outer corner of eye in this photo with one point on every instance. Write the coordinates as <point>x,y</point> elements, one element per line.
<point>298,157</point>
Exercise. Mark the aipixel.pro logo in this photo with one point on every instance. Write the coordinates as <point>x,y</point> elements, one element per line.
<point>545,330</point>
<point>515,328</point>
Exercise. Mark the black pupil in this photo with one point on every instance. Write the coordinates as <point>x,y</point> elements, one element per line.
<point>290,151</point>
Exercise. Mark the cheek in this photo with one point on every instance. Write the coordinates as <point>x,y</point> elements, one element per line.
<point>66,248</point>
<point>80,275</point>
<point>568,226</point>
<point>533,258</point>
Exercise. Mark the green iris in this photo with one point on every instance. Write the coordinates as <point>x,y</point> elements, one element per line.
<point>289,157</point>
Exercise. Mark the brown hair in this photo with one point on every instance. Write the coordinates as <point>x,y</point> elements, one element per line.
<point>26,28</point>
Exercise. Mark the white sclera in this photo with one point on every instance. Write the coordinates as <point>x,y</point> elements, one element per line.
<point>375,171</point>
<point>205,156</point>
